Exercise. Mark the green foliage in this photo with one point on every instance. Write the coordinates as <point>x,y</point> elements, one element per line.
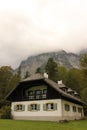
<point>52,69</point>
<point>27,74</point>
<point>38,70</point>
<point>19,73</point>
<point>84,94</point>
<point>6,74</point>
<point>62,74</point>
<point>5,112</point>
<point>42,125</point>
<point>83,60</point>
<point>75,79</point>
<point>7,80</point>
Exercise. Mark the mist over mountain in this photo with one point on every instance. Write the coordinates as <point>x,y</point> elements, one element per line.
<point>67,59</point>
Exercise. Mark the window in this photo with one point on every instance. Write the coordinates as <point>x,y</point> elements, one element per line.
<point>74,108</point>
<point>31,95</point>
<point>79,110</point>
<point>33,107</point>
<point>38,92</point>
<point>49,106</point>
<point>67,107</point>
<point>30,92</point>
<point>19,107</point>
<point>44,91</point>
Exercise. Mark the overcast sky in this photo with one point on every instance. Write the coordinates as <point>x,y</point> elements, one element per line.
<point>29,27</point>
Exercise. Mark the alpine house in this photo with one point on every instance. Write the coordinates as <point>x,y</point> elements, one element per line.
<point>39,98</point>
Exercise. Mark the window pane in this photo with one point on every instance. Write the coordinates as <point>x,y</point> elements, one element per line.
<point>50,106</point>
<point>19,107</point>
<point>74,109</point>
<point>34,107</point>
<point>44,91</point>
<point>67,107</point>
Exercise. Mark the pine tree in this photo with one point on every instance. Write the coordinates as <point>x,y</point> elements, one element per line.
<point>52,69</point>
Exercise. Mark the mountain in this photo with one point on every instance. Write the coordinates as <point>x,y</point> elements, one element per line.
<point>70,60</point>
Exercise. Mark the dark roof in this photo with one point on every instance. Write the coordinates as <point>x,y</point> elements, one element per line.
<point>34,77</point>
<point>51,83</point>
<point>55,86</point>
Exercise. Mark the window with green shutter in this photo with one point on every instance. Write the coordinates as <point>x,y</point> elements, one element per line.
<point>19,107</point>
<point>67,107</point>
<point>50,106</point>
<point>34,107</point>
<point>74,108</point>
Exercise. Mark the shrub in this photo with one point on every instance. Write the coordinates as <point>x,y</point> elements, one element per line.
<point>5,112</point>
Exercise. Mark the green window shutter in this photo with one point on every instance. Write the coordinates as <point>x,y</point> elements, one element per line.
<point>38,107</point>
<point>29,107</point>
<point>55,106</point>
<point>44,107</point>
<point>23,107</point>
<point>15,107</point>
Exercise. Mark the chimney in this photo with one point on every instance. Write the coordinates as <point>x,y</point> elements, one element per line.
<point>59,82</point>
<point>46,75</point>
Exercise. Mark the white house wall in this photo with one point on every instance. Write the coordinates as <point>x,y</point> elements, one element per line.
<point>53,115</point>
<point>70,114</point>
<point>37,115</point>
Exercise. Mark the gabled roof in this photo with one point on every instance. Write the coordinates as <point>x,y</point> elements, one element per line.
<point>51,83</point>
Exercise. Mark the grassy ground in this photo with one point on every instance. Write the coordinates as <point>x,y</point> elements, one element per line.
<point>40,125</point>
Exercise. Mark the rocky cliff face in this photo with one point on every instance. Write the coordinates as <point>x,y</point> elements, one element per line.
<point>70,60</point>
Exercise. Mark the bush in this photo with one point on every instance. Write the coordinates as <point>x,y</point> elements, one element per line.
<point>5,112</point>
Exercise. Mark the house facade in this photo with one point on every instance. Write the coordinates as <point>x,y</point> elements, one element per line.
<point>39,98</point>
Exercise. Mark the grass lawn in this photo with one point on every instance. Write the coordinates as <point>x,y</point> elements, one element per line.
<point>40,125</point>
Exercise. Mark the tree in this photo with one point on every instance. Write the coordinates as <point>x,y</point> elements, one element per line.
<point>7,80</point>
<point>52,69</point>
<point>38,70</point>
<point>62,73</point>
<point>27,74</point>
<point>6,74</point>
<point>75,79</point>
<point>83,62</point>
<point>19,73</point>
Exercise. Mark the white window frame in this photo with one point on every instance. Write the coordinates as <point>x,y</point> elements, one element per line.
<point>50,106</point>
<point>34,107</point>
<point>19,107</point>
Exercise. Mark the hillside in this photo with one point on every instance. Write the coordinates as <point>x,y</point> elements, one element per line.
<point>70,60</point>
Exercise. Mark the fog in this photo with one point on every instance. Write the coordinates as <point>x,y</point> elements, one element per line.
<point>29,27</point>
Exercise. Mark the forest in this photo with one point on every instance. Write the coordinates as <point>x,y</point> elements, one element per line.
<point>73,78</point>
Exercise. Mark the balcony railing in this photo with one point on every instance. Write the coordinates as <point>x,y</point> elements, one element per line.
<point>37,97</point>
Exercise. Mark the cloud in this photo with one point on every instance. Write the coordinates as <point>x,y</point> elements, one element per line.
<point>29,27</point>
